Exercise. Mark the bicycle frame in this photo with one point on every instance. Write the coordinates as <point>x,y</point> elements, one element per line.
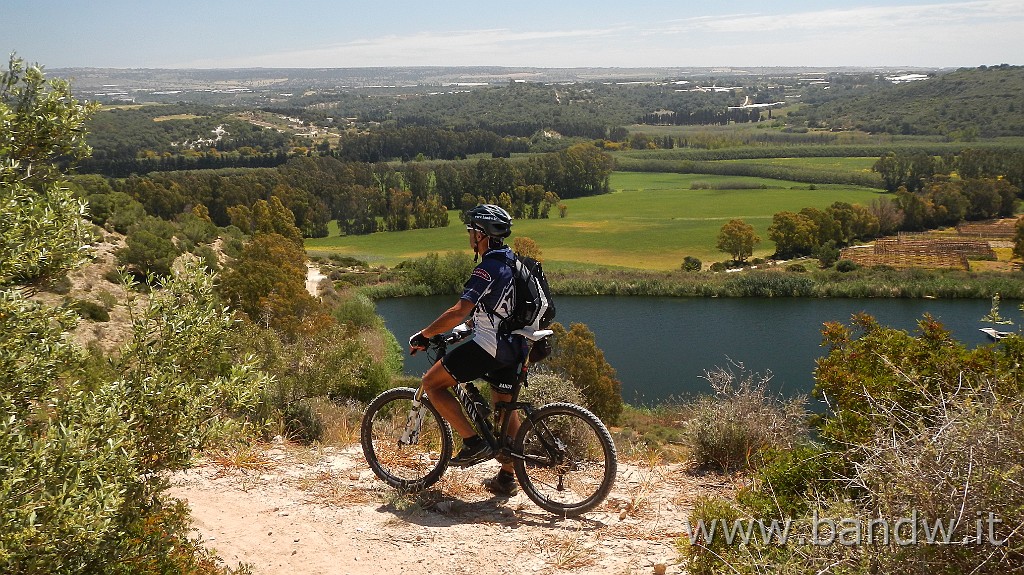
<point>500,442</point>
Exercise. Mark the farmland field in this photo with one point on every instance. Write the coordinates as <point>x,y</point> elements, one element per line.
<point>650,221</point>
<point>825,164</point>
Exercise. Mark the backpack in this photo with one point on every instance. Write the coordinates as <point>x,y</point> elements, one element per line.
<point>533,307</point>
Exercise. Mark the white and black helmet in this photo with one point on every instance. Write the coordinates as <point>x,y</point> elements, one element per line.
<point>492,220</point>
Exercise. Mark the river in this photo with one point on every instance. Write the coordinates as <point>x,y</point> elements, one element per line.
<point>660,347</point>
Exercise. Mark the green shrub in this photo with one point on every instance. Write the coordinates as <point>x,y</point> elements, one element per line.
<point>718,267</point>
<point>701,556</point>
<point>356,310</point>
<point>730,429</point>
<point>348,261</point>
<point>691,264</point>
<point>846,266</point>
<point>208,258</point>
<point>796,268</point>
<point>107,299</point>
<point>577,358</point>
<point>787,481</point>
<point>545,387</point>
<point>441,274</point>
<point>149,248</point>
<point>302,423</point>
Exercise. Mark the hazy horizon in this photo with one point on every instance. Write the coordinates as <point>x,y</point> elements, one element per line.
<point>596,34</point>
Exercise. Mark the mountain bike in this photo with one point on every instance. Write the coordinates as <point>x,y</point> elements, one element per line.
<point>563,455</point>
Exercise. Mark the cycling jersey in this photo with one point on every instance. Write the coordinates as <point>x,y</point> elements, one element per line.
<point>490,288</point>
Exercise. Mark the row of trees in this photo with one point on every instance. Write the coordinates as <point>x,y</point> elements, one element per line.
<point>703,116</point>
<point>913,170</point>
<point>359,195</point>
<point>941,202</point>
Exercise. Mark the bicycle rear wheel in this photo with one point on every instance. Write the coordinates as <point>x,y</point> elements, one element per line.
<point>406,446</point>
<point>569,462</point>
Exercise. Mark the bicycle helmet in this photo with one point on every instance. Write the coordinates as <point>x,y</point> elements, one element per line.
<point>492,220</point>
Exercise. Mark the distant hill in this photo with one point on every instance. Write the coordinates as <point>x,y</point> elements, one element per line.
<point>985,102</point>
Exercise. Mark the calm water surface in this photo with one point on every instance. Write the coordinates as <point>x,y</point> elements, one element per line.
<point>661,347</point>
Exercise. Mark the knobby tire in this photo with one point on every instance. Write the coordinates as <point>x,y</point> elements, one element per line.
<point>570,460</point>
<point>411,467</point>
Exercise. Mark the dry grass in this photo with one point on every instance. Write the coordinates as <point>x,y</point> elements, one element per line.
<point>568,550</point>
<point>340,420</point>
<point>243,458</point>
<point>330,488</point>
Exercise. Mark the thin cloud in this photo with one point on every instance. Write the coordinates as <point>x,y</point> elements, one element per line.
<point>866,17</point>
<point>463,46</point>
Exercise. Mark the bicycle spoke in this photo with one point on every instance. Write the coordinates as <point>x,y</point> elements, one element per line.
<point>569,463</point>
<point>407,446</point>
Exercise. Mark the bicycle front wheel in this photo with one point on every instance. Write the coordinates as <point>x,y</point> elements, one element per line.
<point>569,460</point>
<point>407,446</point>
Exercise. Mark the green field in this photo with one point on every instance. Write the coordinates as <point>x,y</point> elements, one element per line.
<point>650,221</point>
<point>824,164</point>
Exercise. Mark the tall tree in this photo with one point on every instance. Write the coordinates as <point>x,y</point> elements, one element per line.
<point>737,238</point>
<point>794,234</point>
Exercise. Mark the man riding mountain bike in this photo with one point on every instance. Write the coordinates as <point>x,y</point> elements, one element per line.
<point>491,353</point>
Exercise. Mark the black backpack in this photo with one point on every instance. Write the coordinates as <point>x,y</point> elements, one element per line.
<point>533,307</point>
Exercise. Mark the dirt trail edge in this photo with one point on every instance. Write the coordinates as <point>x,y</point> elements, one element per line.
<point>297,511</point>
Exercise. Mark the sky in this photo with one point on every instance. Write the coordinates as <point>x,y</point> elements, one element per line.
<point>547,34</point>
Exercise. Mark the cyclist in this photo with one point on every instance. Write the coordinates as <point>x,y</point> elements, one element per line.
<point>490,354</point>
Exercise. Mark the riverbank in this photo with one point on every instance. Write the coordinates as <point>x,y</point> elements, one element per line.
<point>794,279</point>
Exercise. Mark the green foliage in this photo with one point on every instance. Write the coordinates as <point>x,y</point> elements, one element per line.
<point>329,361</point>
<point>787,481</point>
<point>268,283</point>
<point>266,217</point>
<point>875,364</point>
<point>703,557</point>
<point>546,387</point>
<point>42,228</point>
<point>100,506</point>
<point>440,274</point>
<point>691,264</point>
<point>85,444</point>
<point>984,102</point>
<point>302,424</point>
<point>737,238</point>
<point>577,358</point>
<point>827,254</point>
<point>729,430</point>
<point>846,266</point>
<point>356,310</point>
<point>793,234</point>
<point>149,248</point>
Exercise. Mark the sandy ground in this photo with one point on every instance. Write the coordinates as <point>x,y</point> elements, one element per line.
<point>295,511</point>
<point>313,278</point>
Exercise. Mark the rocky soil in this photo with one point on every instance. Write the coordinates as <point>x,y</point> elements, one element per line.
<point>286,510</point>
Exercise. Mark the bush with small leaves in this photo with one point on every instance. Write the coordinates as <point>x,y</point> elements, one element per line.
<point>846,266</point>
<point>691,264</point>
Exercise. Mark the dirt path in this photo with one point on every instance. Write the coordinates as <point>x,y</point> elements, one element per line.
<point>301,511</point>
<point>313,278</point>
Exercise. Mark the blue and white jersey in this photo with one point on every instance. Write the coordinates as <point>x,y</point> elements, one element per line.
<point>491,289</point>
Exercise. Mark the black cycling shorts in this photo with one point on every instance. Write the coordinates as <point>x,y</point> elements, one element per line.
<point>469,362</point>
